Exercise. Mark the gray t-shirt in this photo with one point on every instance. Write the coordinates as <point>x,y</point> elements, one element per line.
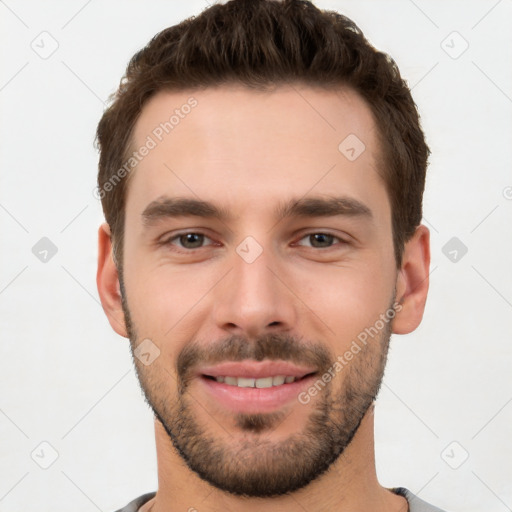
<point>415,504</point>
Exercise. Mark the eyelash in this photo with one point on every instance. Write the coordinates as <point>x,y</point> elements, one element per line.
<point>185,250</point>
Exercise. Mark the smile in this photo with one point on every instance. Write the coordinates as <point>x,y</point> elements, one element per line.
<point>262,382</point>
<point>254,386</point>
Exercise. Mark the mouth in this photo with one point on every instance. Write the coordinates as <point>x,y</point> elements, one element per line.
<point>253,382</point>
<point>255,386</point>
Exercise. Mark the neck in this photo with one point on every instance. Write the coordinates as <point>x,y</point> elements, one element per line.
<point>349,484</point>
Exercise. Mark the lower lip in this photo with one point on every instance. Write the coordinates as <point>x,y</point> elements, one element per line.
<point>254,400</point>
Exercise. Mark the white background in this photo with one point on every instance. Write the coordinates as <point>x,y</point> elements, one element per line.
<point>67,378</point>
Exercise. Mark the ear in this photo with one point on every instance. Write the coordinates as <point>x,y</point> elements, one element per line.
<point>412,282</point>
<point>107,280</point>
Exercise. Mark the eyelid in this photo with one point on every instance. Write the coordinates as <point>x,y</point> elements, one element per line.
<point>168,239</point>
<point>321,232</point>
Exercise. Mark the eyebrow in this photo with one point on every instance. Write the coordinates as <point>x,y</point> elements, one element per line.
<point>171,207</point>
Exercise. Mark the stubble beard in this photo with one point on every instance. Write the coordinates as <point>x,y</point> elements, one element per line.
<point>253,465</point>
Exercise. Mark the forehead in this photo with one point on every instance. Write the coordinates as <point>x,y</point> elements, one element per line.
<point>228,141</point>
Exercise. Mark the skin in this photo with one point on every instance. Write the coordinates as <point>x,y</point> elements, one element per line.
<point>247,152</point>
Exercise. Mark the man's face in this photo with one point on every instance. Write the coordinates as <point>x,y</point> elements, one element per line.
<point>255,294</point>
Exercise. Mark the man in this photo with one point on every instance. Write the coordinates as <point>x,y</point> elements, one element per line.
<point>287,151</point>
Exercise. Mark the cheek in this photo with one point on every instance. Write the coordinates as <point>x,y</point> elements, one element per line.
<point>336,301</point>
<point>347,299</point>
<point>164,300</point>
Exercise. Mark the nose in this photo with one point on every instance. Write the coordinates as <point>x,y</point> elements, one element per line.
<point>254,298</point>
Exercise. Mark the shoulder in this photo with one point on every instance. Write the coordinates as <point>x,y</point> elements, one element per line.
<point>415,504</point>
<point>134,505</point>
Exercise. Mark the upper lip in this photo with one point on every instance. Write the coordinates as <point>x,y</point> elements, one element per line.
<point>255,369</point>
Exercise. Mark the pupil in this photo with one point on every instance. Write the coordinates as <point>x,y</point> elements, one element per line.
<point>188,240</point>
<point>322,238</point>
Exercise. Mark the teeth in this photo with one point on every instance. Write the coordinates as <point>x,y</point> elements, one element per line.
<point>278,380</point>
<point>245,383</point>
<point>263,382</point>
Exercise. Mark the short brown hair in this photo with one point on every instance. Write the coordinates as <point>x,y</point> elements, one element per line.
<point>261,44</point>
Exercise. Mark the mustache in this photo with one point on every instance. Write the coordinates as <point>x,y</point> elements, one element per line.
<point>238,348</point>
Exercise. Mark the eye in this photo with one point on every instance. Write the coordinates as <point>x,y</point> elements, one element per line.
<point>321,240</point>
<point>189,240</point>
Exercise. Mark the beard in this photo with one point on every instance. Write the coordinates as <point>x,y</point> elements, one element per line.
<point>254,465</point>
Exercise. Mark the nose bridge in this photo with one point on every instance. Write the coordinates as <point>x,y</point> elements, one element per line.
<point>251,272</point>
<point>252,298</point>
<point>253,284</point>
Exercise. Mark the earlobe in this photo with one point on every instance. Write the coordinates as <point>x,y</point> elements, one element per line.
<point>412,282</point>
<point>107,280</point>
